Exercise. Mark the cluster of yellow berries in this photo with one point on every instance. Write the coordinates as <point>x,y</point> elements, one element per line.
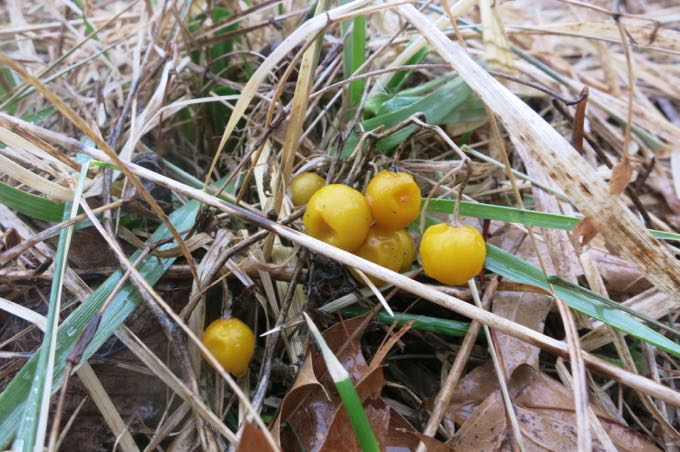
<point>371,226</point>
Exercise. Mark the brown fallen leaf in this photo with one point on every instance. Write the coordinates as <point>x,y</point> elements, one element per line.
<point>432,444</point>
<point>473,388</point>
<point>253,440</point>
<point>622,277</point>
<point>306,409</point>
<point>312,416</point>
<point>347,350</point>
<point>545,411</point>
<point>622,173</point>
<point>526,309</point>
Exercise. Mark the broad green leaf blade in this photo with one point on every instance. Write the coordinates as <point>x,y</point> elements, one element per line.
<point>13,398</point>
<point>438,106</point>
<point>518,270</point>
<point>520,216</point>
<point>31,205</point>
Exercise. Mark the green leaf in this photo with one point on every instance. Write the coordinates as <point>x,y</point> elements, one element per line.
<point>581,299</point>
<point>13,398</point>
<point>445,327</point>
<point>31,205</point>
<point>348,395</point>
<point>399,78</point>
<point>437,107</point>
<point>520,216</point>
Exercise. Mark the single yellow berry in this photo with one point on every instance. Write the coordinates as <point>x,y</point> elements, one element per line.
<point>303,186</point>
<point>452,255</point>
<point>384,247</point>
<point>232,342</point>
<point>338,215</point>
<point>394,199</point>
<point>409,250</point>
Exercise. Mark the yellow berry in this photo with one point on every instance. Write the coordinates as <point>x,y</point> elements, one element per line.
<point>232,342</point>
<point>338,215</point>
<point>303,186</point>
<point>394,199</point>
<point>452,255</point>
<point>384,247</point>
<point>409,250</point>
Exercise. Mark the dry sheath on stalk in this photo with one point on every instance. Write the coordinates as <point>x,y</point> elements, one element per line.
<point>584,188</point>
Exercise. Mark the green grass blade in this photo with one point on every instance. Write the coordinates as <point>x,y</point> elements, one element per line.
<point>13,398</point>
<point>31,205</point>
<point>348,395</point>
<point>438,108</point>
<point>399,78</point>
<point>444,327</point>
<point>353,55</point>
<point>520,216</point>
<point>28,433</point>
<point>582,300</point>
<point>33,426</point>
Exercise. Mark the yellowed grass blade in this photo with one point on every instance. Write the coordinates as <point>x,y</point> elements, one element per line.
<point>644,32</point>
<point>26,177</point>
<point>496,45</point>
<point>99,396</point>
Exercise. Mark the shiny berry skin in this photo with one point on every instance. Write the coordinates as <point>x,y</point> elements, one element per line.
<point>394,199</point>
<point>452,255</point>
<point>408,247</point>
<point>232,342</point>
<point>338,215</point>
<point>384,247</point>
<point>303,186</point>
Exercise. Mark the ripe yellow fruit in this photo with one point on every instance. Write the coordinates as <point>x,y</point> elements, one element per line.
<point>394,199</point>
<point>384,247</point>
<point>338,215</point>
<point>409,250</point>
<point>452,255</point>
<point>232,342</point>
<point>303,186</point>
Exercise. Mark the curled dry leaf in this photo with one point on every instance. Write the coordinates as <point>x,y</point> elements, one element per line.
<point>622,173</point>
<point>585,231</point>
<point>545,411</point>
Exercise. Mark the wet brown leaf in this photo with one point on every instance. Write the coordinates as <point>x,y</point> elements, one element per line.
<point>346,349</point>
<point>312,416</point>
<point>253,440</point>
<point>622,173</point>
<point>471,392</point>
<point>432,444</point>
